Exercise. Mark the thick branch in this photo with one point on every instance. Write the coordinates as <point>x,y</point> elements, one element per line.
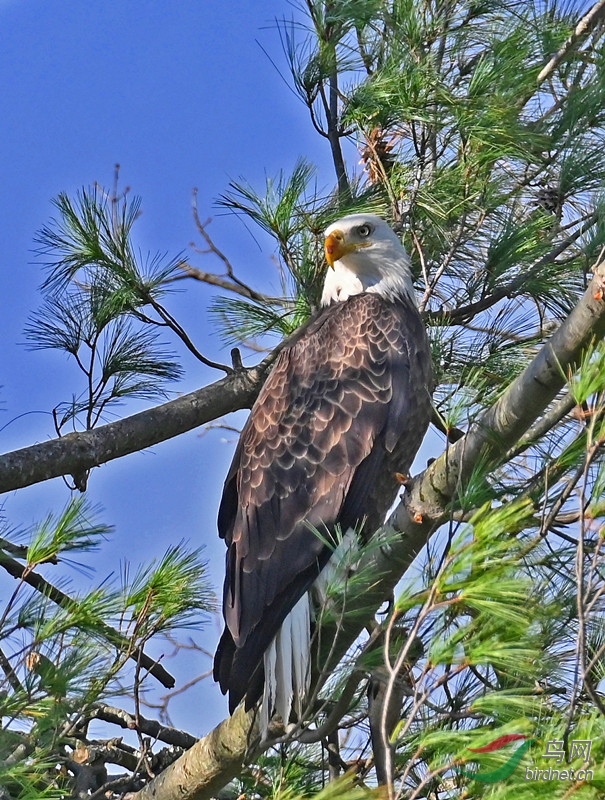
<point>206,767</point>
<point>78,452</point>
<point>526,398</point>
<point>217,758</point>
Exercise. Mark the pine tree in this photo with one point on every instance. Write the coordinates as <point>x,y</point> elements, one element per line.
<point>476,129</point>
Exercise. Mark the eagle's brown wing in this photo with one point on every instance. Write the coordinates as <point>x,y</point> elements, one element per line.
<point>337,403</point>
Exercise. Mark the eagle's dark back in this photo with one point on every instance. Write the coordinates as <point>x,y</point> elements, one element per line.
<point>345,406</point>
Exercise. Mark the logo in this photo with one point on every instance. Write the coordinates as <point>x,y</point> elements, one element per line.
<point>507,769</point>
<point>578,749</point>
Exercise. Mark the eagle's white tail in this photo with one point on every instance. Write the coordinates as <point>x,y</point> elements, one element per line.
<point>288,666</point>
<point>287,660</point>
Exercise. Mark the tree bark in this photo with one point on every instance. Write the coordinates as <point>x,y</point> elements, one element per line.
<point>207,766</point>
<point>217,758</point>
<point>77,452</point>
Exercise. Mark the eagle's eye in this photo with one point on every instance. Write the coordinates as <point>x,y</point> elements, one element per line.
<point>364,231</point>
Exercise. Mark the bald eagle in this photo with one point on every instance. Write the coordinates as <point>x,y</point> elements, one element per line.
<point>346,406</point>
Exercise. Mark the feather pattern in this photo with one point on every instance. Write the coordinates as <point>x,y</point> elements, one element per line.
<point>345,406</point>
<point>287,665</point>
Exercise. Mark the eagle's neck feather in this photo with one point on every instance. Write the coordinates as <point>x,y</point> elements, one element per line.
<point>394,282</point>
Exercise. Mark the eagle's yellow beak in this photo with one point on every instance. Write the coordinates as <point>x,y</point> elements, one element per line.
<point>336,247</point>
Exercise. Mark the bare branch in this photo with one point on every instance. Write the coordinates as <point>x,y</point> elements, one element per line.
<point>189,271</point>
<point>174,325</point>
<point>77,452</point>
<point>11,675</point>
<point>586,24</point>
<point>559,411</point>
<point>233,283</point>
<point>149,727</point>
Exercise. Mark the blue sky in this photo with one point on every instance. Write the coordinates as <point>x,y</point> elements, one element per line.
<point>180,95</point>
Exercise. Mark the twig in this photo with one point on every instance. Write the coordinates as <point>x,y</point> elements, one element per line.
<point>310,735</point>
<point>395,671</point>
<point>21,573</point>
<point>144,744</point>
<point>11,675</point>
<point>189,271</point>
<point>166,698</point>
<point>172,323</point>
<point>452,433</point>
<point>330,105</point>
<point>583,588</point>
<point>235,284</point>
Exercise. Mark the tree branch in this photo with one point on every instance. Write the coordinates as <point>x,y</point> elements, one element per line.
<point>149,727</point>
<point>114,637</point>
<point>189,271</point>
<point>77,452</point>
<point>514,286</point>
<point>586,24</point>
<point>218,757</point>
<point>232,283</point>
<point>211,763</point>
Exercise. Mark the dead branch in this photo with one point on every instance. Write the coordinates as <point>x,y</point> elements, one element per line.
<point>149,727</point>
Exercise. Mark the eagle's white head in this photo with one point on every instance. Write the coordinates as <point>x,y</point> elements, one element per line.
<point>365,255</point>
